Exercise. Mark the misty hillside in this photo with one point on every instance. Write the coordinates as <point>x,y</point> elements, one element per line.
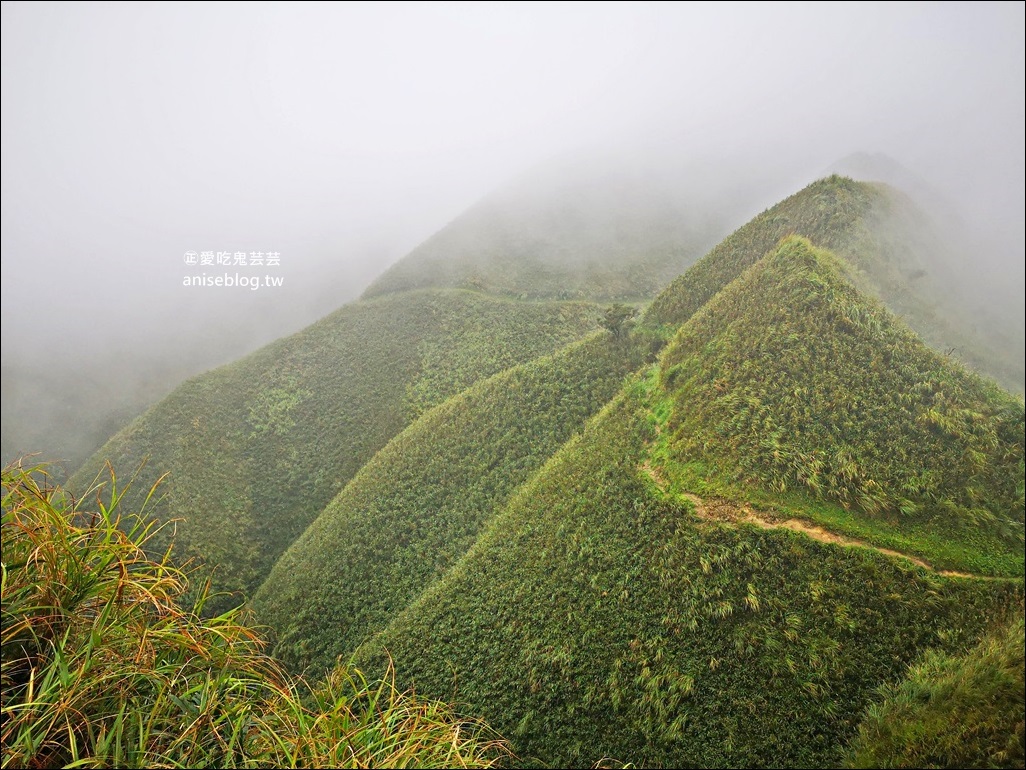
<point>567,235</point>
<point>893,252</point>
<point>523,385</point>
<point>988,303</point>
<point>257,448</point>
<point>311,409</point>
<point>563,232</point>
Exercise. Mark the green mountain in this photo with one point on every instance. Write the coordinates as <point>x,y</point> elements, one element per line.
<point>610,611</point>
<point>893,251</point>
<point>713,537</point>
<point>256,449</point>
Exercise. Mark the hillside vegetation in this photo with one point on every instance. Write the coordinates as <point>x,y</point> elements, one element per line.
<point>256,449</point>
<point>791,379</point>
<point>745,531</point>
<point>600,615</point>
<point>422,501</point>
<point>596,619</point>
<point>104,667</point>
<point>887,246</point>
<point>952,709</point>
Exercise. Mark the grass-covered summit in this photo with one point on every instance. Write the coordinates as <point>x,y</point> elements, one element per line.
<point>792,379</point>
<point>893,253</point>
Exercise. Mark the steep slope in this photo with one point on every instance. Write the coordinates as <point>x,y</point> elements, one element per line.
<point>421,502</point>
<point>594,620</point>
<point>256,449</point>
<point>600,615</point>
<point>567,233</point>
<point>893,249</point>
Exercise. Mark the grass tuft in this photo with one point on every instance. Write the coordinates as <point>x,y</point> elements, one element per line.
<point>102,666</point>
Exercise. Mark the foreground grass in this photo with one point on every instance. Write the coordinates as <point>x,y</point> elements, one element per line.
<point>102,667</point>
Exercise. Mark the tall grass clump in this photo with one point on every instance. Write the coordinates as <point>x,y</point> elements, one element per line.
<point>103,667</point>
<point>951,710</point>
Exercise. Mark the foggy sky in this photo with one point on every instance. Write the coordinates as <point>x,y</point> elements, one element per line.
<point>341,136</point>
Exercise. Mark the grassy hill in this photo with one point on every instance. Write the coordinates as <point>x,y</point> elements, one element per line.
<point>422,501</point>
<point>603,613</point>
<point>791,379</point>
<point>593,619</point>
<point>719,561</point>
<point>568,234</point>
<point>256,449</point>
<point>892,252</point>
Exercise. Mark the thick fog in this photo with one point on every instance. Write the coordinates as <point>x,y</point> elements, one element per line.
<point>334,138</point>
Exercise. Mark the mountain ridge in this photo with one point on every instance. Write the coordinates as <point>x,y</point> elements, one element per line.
<point>532,527</point>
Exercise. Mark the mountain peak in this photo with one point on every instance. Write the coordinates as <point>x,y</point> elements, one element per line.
<point>792,378</point>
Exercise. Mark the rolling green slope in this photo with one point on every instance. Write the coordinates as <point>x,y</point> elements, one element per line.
<point>606,611</point>
<point>256,449</point>
<point>893,251</point>
<point>420,503</point>
<point>594,619</point>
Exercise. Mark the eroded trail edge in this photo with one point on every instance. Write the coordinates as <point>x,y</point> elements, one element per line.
<point>725,511</point>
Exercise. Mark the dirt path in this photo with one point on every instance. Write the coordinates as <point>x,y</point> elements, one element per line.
<point>717,510</point>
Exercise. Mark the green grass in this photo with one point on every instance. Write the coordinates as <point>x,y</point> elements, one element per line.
<point>970,550</point>
<point>963,549</point>
<point>951,710</point>
<point>422,501</point>
<point>103,667</point>
<point>256,449</point>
